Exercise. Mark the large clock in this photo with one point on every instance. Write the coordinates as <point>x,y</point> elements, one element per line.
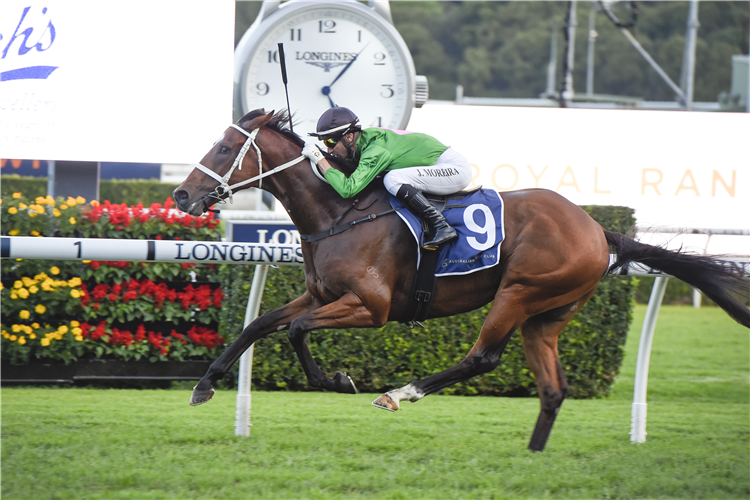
<point>338,53</point>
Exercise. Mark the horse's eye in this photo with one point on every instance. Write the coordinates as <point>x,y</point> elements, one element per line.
<point>225,150</point>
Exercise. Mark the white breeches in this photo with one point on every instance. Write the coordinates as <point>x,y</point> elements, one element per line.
<point>451,173</point>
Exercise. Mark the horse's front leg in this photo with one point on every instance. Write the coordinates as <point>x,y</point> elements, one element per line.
<point>347,312</point>
<point>274,321</point>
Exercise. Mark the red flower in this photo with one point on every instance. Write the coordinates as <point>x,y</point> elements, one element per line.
<point>218,297</point>
<point>140,333</point>
<point>205,337</point>
<point>121,337</point>
<point>100,331</point>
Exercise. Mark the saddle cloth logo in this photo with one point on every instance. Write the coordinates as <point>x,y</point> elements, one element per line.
<point>478,218</point>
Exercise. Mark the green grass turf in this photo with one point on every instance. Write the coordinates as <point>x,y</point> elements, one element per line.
<point>87,443</point>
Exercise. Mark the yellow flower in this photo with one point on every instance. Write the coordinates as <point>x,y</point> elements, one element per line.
<point>12,210</point>
<point>63,329</point>
<point>54,270</point>
<point>23,293</point>
<point>16,195</point>
<point>22,340</point>
<point>13,338</point>
<point>56,212</point>
<point>23,206</point>
<point>79,338</point>
<point>34,233</point>
<point>81,200</point>
<point>13,232</point>
<point>75,293</point>
<point>16,328</point>
<point>32,214</point>
<point>40,309</point>
<point>63,207</point>
<point>95,203</point>
<point>45,342</point>
<point>18,284</point>
<point>2,287</point>
<point>71,201</point>
<point>24,314</point>
<point>33,289</point>
<point>32,336</point>
<point>76,331</point>
<point>27,281</point>
<point>50,201</point>
<point>37,208</point>
<point>13,295</point>
<point>72,220</point>
<point>6,334</point>
<point>74,282</point>
<point>35,325</point>
<point>40,200</point>
<point>75,323</point>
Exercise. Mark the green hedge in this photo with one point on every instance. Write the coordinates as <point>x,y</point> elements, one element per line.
<point>116,191</point>
<point>591,347</point>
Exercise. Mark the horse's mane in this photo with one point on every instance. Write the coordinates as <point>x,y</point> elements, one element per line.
<point>279,123</point>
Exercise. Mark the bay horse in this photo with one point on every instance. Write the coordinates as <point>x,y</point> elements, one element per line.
<point>552,259</point>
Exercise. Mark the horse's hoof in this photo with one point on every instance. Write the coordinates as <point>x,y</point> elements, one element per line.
<point>385,402</point>
<point>344,384</point>
<point>200,396</point>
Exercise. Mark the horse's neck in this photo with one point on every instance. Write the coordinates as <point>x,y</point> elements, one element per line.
<point>311,204</point>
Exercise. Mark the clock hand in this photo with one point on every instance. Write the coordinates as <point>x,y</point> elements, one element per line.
<point>348,65</point>
<point>327,93</point>
<point>327,89</point>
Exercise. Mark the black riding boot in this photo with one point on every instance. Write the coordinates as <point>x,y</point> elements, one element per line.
<point>423,209</point>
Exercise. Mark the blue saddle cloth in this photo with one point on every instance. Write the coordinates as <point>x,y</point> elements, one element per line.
<point>478,218</point>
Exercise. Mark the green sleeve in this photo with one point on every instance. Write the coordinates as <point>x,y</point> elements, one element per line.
<point>373,161</point>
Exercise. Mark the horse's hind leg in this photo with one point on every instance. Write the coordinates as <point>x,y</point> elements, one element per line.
<point>539,335</point>
<point>503,319</point>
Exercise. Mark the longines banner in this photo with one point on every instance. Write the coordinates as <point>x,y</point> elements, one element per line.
<point>677,169</point>
<point>115,80</point>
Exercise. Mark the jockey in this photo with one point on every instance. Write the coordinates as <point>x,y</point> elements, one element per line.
<point>413,163</point>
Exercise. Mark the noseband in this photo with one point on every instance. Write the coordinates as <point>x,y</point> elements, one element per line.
<point>224,188</point>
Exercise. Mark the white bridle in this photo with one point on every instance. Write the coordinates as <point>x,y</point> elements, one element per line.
<point>224,187</point>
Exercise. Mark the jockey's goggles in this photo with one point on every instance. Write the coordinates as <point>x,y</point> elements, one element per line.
<point>331,142</point>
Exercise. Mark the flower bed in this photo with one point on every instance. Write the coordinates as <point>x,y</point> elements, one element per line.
<point>63,311</point>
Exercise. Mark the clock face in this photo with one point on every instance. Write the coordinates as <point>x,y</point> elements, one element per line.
<point>335,55</point>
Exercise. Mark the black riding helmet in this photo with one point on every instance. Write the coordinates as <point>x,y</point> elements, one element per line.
<point>335,123</point>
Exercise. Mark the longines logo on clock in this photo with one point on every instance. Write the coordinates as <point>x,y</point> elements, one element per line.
<point>326,56</point>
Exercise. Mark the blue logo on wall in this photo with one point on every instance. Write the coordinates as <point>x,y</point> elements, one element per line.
<point>22,38</point>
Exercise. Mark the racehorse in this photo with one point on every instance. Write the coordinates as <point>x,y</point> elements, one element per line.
<point>552,259</point>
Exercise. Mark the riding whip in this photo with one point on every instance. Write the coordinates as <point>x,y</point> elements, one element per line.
<point>282,62</point>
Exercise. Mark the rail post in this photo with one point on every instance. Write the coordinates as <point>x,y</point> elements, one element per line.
<point>244,398</point>
<point>638,412</point>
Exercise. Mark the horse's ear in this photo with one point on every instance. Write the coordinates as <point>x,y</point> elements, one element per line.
<point>259,121</point>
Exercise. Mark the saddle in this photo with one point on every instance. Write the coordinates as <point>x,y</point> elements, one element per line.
<point>426,280</point>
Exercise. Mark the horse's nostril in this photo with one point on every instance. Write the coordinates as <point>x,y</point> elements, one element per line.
<point>180,195</point>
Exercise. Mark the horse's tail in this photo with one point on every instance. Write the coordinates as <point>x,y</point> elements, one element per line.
<point>717,279</point>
